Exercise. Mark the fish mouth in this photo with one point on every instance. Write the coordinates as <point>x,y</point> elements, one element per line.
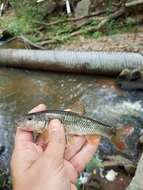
<point>22,126</point>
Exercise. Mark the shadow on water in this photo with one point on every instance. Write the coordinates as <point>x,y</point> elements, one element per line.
<point>21,90</point>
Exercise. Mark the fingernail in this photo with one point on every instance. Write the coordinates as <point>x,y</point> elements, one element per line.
<point>55,125</point>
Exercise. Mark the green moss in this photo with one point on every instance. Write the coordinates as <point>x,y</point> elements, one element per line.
<point>16,25</point>
<point>115,27</point>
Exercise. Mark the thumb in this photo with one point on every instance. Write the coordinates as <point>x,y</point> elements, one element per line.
<point>56,145</point>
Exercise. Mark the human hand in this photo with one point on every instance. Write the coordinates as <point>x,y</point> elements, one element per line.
<point>54,167</point>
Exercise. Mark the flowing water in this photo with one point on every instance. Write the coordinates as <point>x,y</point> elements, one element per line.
<point>21,90</point>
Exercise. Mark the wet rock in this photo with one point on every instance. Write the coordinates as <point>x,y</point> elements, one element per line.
<point>131,79</point>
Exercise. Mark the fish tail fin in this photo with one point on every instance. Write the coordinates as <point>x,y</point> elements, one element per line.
<point>119,143</point>
<point>119,138</point>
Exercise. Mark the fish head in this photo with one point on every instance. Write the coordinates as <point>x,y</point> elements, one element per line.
<point>31,122</point>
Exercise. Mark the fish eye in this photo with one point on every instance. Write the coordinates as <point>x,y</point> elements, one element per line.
<point>29,118</point>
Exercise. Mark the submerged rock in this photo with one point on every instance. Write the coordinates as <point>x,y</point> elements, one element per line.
<point>131,79</point>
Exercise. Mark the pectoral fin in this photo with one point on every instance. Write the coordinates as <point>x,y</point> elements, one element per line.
<point>44,136</point>
<point>93,139</point>
<point>119,143</point>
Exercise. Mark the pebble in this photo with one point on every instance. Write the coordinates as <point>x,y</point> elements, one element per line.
<point>111,175</point>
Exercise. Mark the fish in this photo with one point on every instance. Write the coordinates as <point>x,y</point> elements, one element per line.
<point>75,124</point>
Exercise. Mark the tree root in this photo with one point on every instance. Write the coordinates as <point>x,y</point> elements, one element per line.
<point>101,24</point>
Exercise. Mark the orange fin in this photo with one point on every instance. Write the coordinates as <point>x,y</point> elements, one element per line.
<point>121,134</point>
<point>45,136</point>
<point>93,139</point>
<point>119,143</point>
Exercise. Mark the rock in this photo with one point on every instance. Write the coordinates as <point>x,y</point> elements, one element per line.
<point>137,181</point>
<point>111,175</point>
<point>130,79</point>
<point>47,6</point>
<point>82,9</point>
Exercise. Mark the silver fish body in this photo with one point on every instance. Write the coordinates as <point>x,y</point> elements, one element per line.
<point>74,124</point>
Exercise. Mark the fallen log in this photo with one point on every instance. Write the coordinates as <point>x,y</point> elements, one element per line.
<point>70,61</point>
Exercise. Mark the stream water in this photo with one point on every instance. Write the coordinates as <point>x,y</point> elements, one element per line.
<point>21,90</point>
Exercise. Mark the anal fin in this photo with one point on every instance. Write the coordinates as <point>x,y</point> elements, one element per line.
<point>93,139</point>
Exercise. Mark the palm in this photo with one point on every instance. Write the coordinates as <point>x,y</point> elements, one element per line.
<point>32,152</point>
<point>74,161</point>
